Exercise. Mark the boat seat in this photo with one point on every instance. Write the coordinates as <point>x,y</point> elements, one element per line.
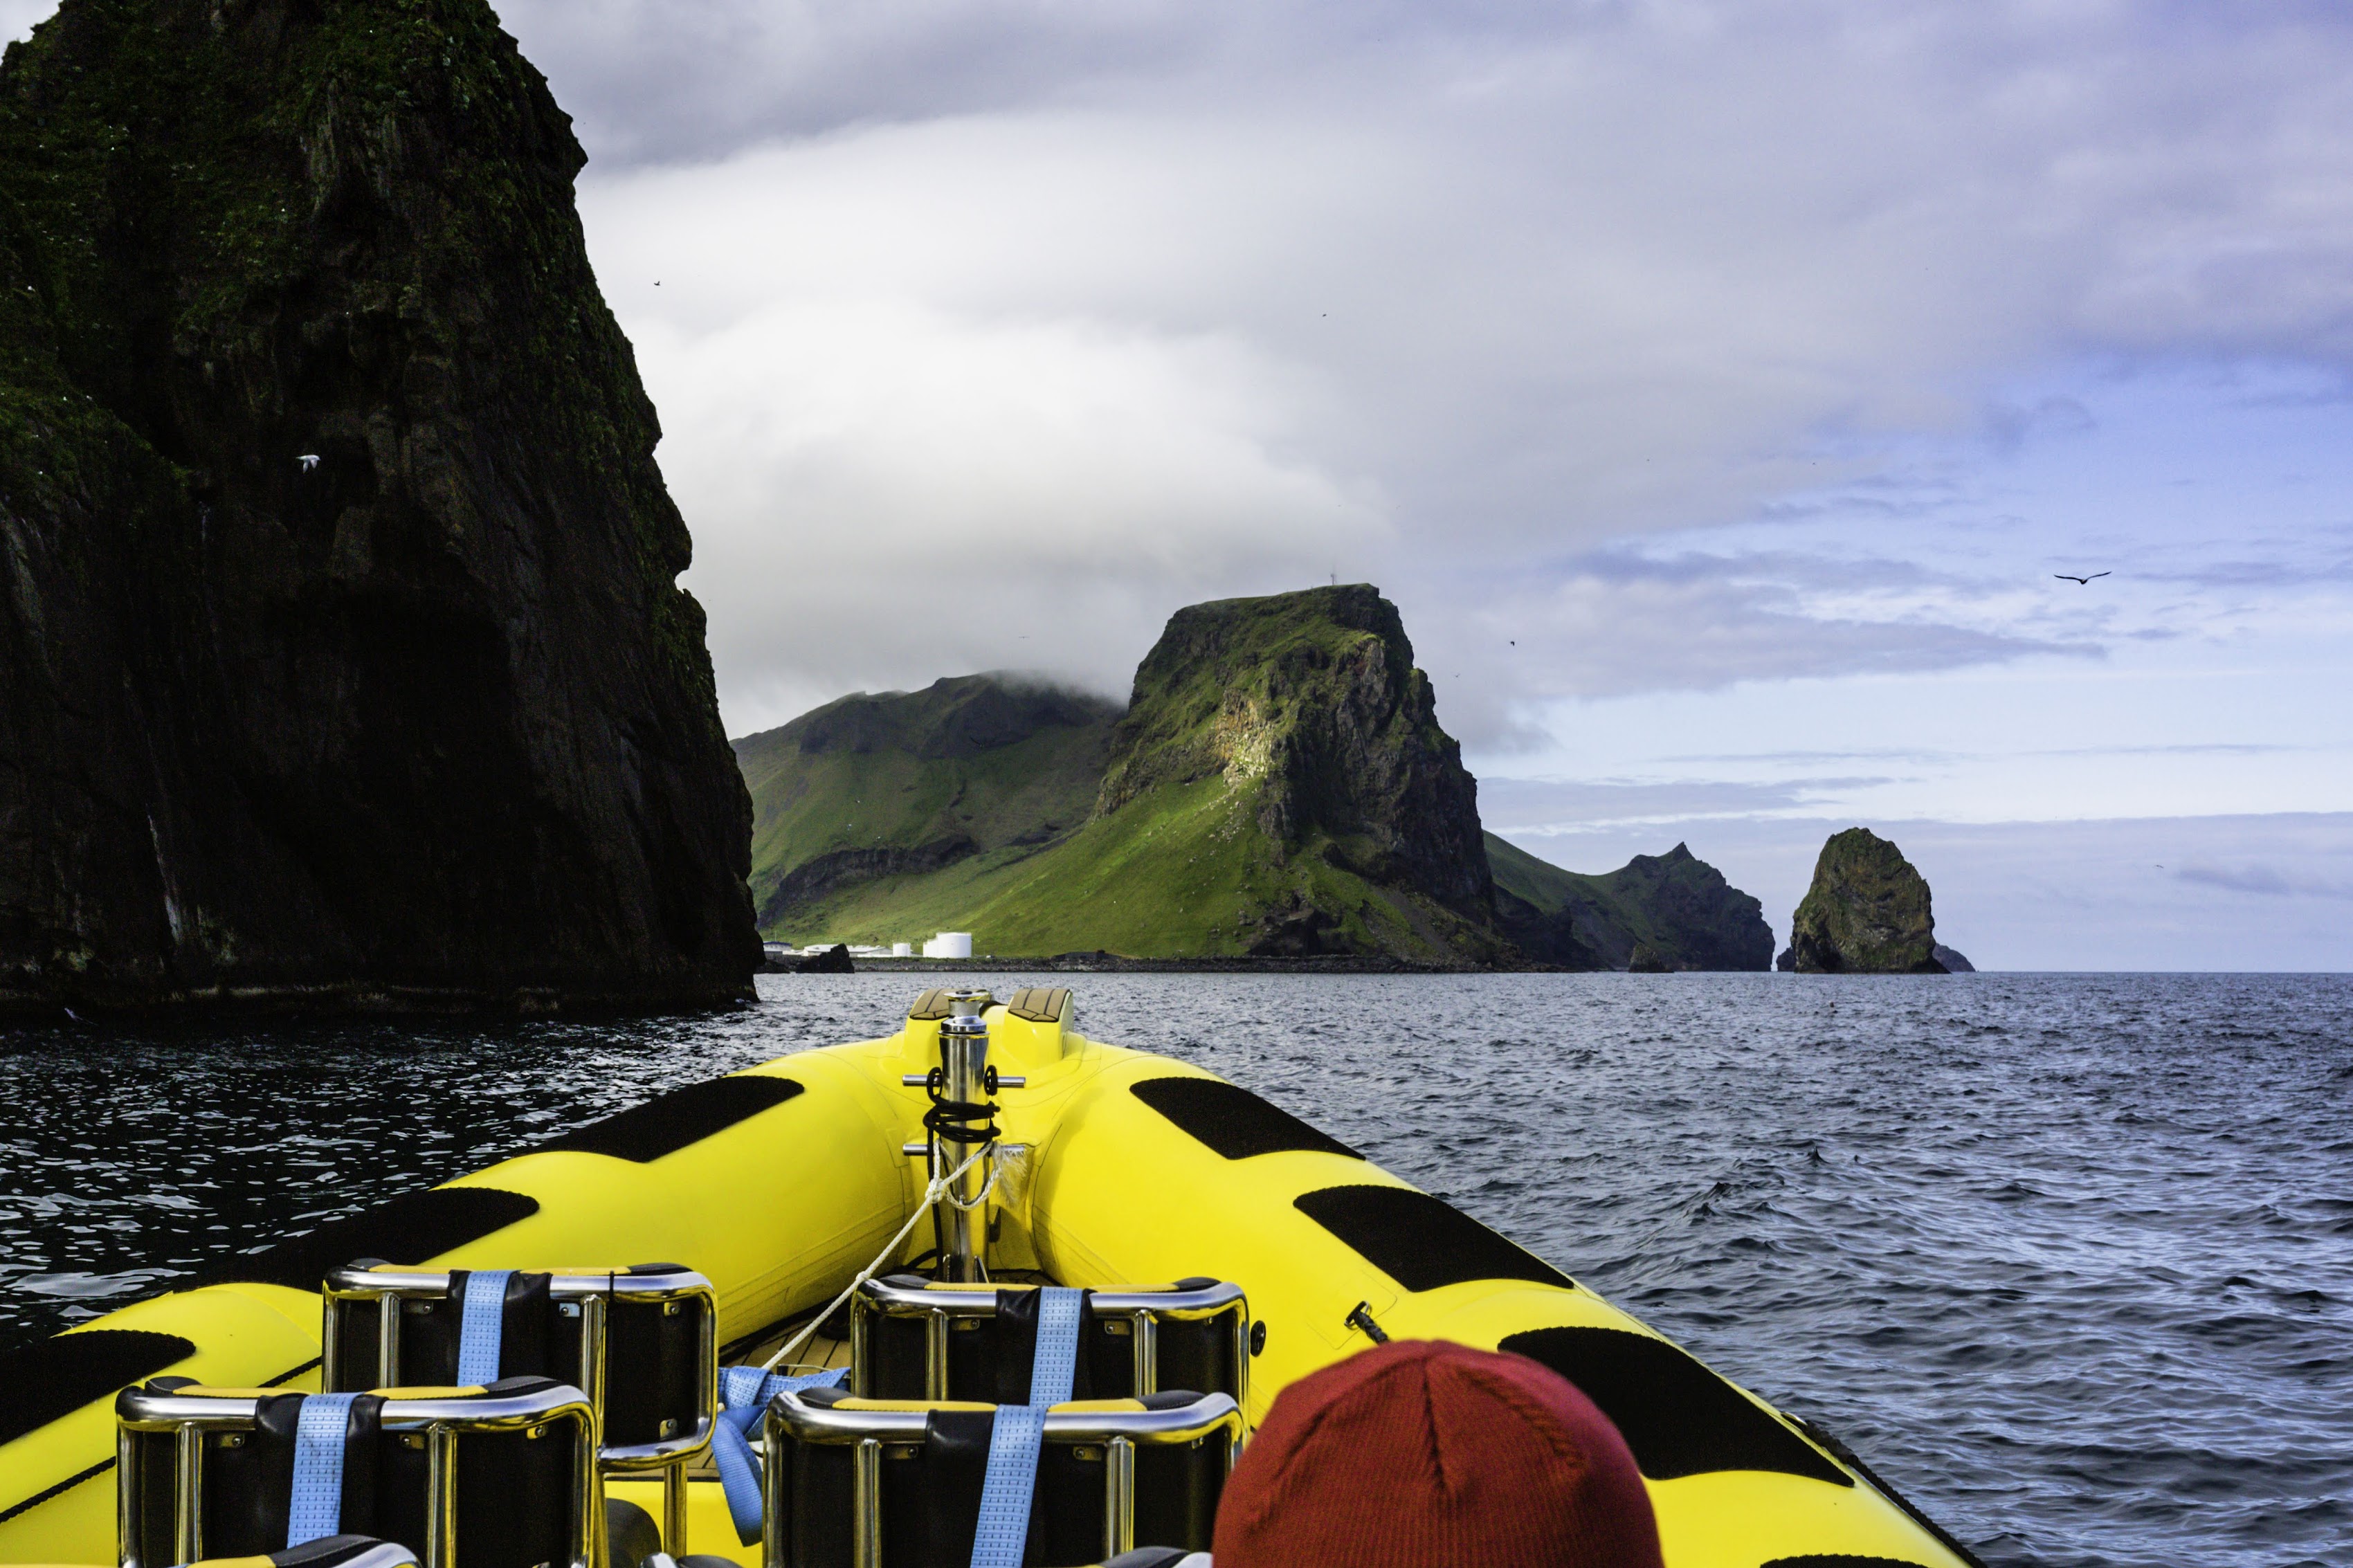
<point>330,1552</point>
<point>913,1339</point>
<point>641,1343</point>
<point>885,1483</point>
<point>496,1476</point>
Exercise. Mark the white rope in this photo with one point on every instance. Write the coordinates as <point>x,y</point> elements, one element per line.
<point>938,1189</point>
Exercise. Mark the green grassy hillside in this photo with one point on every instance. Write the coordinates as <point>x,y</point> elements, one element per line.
<point>1173,875</point>
<point>1278,787</point>
<point>1674,911</point>
<point>880,787</point>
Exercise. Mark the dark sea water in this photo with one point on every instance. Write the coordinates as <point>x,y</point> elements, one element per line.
<point>2068,1258</point>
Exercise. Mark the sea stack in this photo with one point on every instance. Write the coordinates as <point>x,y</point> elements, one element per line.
<point>1866,913</point>
<point>341,657</point>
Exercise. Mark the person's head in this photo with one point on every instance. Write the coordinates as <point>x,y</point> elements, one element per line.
<point>1420,1453</point>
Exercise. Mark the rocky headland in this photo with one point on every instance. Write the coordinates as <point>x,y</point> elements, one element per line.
<point>1278,790</point>
<point>345,662</point>
<point>1656,913</point>
<point>1867,912</point>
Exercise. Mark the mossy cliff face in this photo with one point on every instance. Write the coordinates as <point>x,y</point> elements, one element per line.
<point>1866,913</point>
<point>1308,707</point>
<point>1279,788</point>
<point>1310,703</point>
<point>426,719</point>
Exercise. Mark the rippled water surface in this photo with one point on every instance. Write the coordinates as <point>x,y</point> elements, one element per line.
<point>2068,1258</point>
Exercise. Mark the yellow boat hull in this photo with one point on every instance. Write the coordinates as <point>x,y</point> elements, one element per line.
<point>781,1207</point>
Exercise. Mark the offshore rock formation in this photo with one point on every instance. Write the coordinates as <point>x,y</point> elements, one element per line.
<point>344,657</point>
<point>1866,913</point>
<point>1655,914</point>
<point>1953,962</point>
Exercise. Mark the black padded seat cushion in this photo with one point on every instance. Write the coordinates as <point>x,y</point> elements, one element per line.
<point>411,1228</point>
<point>669,1122</point>
<point>1016,1346</point>
<point>631,1530</point>
<point>1841,1560</point>
<point>1232,1120</point>
<point>57,1376</point>
<point>1422,1242</point>
<point>328,1552</point>
<point>246,1515</point>
<point>1678,1417</point>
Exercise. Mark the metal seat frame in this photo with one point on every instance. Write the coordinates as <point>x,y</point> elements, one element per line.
<point>1118,1432</point>
<point>1140,1312</point>
<point>587,1291</point>
<point>191,1416</point>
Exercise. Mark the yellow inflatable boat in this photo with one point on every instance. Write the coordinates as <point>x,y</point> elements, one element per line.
<point>895,1210</point>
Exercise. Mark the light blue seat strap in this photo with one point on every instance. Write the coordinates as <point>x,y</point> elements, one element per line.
<point>481,1320</point>
<point>1057,1358</point>
<point>743,1396</point>
<point>317,1509</point>
<point>1018,1433</point>
<point>1014,1440</point>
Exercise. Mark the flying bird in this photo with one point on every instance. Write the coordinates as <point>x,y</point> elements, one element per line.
<point>2066,578</point>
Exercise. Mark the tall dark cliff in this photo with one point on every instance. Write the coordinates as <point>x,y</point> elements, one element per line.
<point>344,657</point>
<point>1313,698</point>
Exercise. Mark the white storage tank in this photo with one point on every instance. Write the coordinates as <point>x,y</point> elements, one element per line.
<point>949,945</point>
<point>902,949</point>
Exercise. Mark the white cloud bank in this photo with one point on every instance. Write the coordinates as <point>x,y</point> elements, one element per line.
<point>1102,310</point>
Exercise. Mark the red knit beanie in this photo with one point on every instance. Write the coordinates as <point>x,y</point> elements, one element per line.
<point>1420,1453</point>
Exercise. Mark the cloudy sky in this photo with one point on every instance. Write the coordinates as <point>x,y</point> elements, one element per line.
<point>1715,386</point>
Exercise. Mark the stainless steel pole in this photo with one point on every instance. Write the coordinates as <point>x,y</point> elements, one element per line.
<point>964,1068</point>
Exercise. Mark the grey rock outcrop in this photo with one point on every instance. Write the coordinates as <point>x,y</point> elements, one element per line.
<point>1867,912</point>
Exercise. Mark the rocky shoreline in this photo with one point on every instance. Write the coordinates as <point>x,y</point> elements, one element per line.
<point>1114,964</point>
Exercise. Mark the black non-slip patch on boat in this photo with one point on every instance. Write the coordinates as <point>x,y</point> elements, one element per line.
<point>1678,1417</point>
<point>54,1377</point>
<point>1422,1242</point>
<point>669,1122</point>
<point>1232,1120</point>
<point>410,1228</point>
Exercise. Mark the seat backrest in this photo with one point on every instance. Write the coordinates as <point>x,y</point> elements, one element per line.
<point>641,1343</point>
<point>871,1483</point>
<point>913,1339</point>
<point>330,1552</point>
<point>503,1477</point>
